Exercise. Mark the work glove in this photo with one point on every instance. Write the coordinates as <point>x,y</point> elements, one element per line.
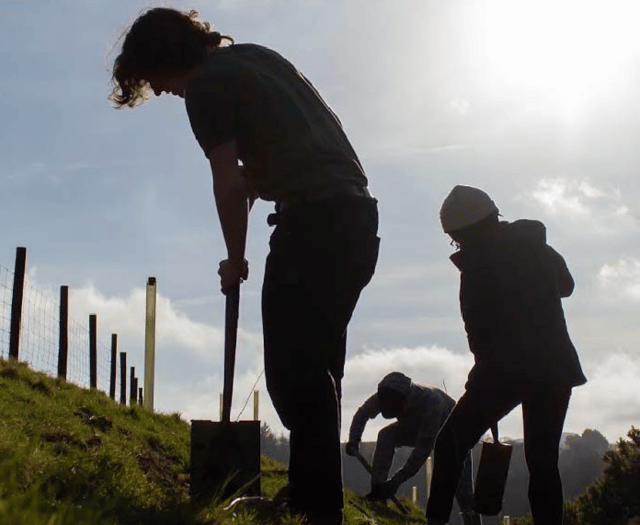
<point>352,448</point>
<point>383,491</point>
<point>390,487</point>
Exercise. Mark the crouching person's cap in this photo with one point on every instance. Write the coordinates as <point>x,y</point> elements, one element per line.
<point>396,381</point>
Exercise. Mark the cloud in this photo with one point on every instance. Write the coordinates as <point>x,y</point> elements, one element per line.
<point>460,106</point>
<point>610,400</point>
<point>126,316</point>
<point>580,202</point>
<point>37,173</point>
<point>189,354</point>
<point>33,170</point>
<point>433,364</point>
<point>556,196</point>
<point>621,278</point>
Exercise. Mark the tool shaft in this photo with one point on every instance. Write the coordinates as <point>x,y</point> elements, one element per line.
<point>368,468</point>
<point>230,338</point>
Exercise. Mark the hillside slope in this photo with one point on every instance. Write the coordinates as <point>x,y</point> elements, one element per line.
<point>74,456</point>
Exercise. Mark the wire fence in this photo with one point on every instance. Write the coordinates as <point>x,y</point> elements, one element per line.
<point>40,342</point>
<point>6,290</point>
<point>39,334</point>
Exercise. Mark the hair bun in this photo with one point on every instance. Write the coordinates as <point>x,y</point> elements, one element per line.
<point>215,38</point>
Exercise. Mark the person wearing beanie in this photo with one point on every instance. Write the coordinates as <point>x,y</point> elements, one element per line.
<point>511,286</point>
<point>267,133</point>
<point>420,411</point>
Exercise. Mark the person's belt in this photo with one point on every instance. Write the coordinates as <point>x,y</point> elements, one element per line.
<point>324,195</point>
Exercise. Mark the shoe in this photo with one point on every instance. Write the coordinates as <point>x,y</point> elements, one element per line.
<point>283,497</point>
<point>470,518</point>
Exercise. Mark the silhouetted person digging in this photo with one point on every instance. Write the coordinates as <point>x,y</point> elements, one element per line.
<point>247,104</point>
<point>420,411</point>
<point>511,286</point>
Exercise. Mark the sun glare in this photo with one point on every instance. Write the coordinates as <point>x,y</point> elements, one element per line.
<point>567,50</point>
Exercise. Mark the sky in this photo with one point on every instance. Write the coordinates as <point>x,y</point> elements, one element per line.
<point>534,102</point>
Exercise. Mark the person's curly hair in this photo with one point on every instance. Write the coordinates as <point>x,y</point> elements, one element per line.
<point>160,41</point>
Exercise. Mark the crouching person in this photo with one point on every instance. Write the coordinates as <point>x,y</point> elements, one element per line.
<point>511,286</point>
<point>420,411</point>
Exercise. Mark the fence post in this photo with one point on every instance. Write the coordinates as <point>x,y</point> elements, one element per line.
<point>150,343</point>
<point>93,351</point>
<point>16,303</point>
<point>140,398</point>
<point>63,347</point>
<point>133,395</point>
<point>123,378</point>
<point>114,365</point>
<point>256,405</point>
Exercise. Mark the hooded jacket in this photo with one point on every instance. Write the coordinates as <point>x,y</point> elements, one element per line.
<point>511,287</point>
<point>425,411</point>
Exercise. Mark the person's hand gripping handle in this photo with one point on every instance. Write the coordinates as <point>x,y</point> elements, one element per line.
<point>232,273</point>
<point>367,467</point>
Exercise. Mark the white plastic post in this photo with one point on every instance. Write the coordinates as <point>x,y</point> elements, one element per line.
<point>256,404</point>
<point>150,344</point>
<point>506,520</point>
<point>429,472</point>
<point>414,494</point>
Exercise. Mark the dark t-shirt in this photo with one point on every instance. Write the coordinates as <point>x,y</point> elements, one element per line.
<point>288,139</point>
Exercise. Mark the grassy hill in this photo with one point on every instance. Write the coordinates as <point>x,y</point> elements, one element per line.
<point>74,456</point>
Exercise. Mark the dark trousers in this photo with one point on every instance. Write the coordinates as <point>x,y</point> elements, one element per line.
<point>543,415</point>
<point>322,255</point>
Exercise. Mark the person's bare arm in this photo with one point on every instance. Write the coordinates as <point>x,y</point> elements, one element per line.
<point>232,202</point>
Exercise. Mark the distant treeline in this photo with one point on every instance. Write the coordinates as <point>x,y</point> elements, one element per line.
<point>580,463</point>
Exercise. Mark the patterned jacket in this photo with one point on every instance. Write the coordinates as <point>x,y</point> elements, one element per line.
<point>425,411</point>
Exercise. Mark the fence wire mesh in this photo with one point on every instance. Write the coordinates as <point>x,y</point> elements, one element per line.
<point>6,291</point>
<point>40,336</point>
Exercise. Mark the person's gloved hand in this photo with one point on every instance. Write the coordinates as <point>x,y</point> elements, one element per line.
<point>383,491</point>
<point>389,488</point>
<point>352,448</point>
